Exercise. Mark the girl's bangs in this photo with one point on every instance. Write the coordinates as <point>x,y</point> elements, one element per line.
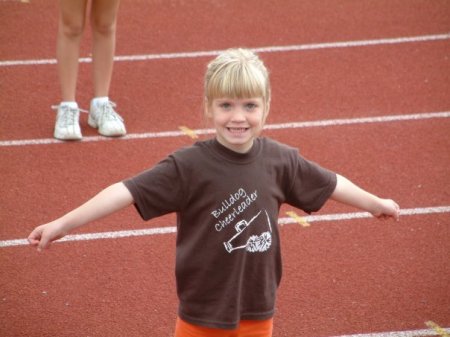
<point>237,82</point>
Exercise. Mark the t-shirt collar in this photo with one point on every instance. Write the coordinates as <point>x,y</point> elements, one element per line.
<point>237,156</point>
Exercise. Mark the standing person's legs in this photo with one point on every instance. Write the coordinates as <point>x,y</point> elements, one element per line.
<point>70,31</point>
<point>102,114</point>
<point>103,22</point>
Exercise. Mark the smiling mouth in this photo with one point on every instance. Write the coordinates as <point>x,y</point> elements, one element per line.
<point>237,130</point>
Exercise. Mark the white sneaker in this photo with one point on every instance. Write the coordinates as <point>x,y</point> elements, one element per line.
<point>106,119</point>
<point>67,125</point>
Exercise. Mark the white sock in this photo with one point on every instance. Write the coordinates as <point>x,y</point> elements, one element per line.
<point>99,100</point>
<point>70,104</point>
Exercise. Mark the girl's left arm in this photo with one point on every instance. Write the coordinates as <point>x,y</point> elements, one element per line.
<point>350,194</point>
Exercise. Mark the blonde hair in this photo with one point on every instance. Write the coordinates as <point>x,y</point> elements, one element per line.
<point>237,73</point>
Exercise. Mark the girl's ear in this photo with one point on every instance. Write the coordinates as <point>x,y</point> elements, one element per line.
<point>207,110</point>
<point>266,111</point>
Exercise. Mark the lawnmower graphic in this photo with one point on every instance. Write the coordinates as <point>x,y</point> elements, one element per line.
<point>255,243</point>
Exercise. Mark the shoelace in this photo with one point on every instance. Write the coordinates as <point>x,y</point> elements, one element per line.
<point>108,112</point>
<point>68,113</point>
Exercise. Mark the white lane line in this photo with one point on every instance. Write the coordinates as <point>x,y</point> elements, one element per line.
<point>410,333</point>
<point>281,221</point>
<point>293,125</point>
<point>269,49</point>
<point>362,120</point>
<point>362,215</point>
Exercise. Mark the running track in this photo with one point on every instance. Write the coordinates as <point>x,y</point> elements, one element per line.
<point>363,87</point>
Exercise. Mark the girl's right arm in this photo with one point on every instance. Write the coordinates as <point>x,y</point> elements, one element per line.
<point>350,194</point>
<point>108,201</point>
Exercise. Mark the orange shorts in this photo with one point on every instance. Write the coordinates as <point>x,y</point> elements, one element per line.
<point>247,328</point>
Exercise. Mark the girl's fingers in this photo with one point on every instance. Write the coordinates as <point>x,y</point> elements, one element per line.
<point>34,237</point>
<point>37,239</point>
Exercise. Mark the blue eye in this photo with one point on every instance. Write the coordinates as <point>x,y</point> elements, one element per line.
<point>225,105</point>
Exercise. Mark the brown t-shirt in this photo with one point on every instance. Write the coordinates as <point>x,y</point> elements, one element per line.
<point>228,261</point>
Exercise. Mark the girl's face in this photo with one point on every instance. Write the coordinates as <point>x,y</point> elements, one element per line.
<point>237,121</point>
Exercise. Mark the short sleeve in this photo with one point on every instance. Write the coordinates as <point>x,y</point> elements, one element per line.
<point>156,191</point>
<point>311,187</point>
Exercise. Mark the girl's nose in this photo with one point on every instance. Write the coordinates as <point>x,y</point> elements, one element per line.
<point>238,115</point>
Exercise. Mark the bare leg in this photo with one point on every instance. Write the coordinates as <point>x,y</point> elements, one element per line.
<point>102,114</point>
<point>103,22</point>
<point>70,30</point>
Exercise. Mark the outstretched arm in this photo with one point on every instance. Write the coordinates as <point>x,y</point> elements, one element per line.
<point>108,201</point>
<point>348,193</point>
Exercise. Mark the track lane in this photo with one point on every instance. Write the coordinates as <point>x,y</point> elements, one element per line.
<point>318,84</point>
<point>361,262</point>
<point>82,169</point>
<point>173,26</point>
<point>387,276</point>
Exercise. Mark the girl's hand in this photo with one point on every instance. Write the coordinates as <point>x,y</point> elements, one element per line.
<point>108,201</point>
<point>42,236</point>
<point>387,208</point>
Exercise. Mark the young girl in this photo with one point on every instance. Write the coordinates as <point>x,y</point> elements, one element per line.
<point>227,193</point>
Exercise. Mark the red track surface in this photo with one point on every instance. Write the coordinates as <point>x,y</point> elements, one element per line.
<point>343,277</point>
